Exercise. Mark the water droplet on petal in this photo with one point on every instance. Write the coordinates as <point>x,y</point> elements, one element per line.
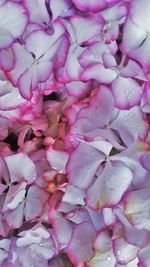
<point>70,215</point>
<point>118,252</point>
<point>30,179</point>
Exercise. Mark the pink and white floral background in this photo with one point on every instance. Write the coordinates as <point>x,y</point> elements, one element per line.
<point>74,133</point>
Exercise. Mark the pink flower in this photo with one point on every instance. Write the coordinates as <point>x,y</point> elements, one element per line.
<point>74,133</point>
<point>136,32</point>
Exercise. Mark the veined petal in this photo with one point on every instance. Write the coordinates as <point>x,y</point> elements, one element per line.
<point>14,218</point>
<point>36,196</point>
<point>129,43</point>
<point>130,124</point>
<point>127,92</point>
<point>90,5</point>
<point>61,8</point>
<point>10,14</point>
<point>59,222</point>
<point>80,246</point>
<point>109,186</point>
<point>99,73</point>
<point>11,97</point>
<point>45,41</point>
<point>15,196</point>
<point>124,251</point>
<point>139,13</point>
<point>37,11</point>
<point>93,54</point>
<point>104,256</point>
<point>78,89</point>
<point>20,167</point>
<point>144,256</point>
<point>74,195</point>
<point>137,26</point>
<point>137,208</point>
<point>101,107</point>
<point>76,28</point>
<point>57,159</point>
<point>72,68</point>
<point>23,60</point>
<point>84,155</point>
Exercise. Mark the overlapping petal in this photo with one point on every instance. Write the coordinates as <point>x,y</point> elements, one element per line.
<point>10,14</point>
<point>20,167</point>
<point>137,26</point>
<point>74,133</point>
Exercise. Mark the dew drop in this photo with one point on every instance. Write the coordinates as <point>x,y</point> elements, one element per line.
<point>130,115</point>
<point>70,215</point>
<point>30,179</point>
<point>118,252</point>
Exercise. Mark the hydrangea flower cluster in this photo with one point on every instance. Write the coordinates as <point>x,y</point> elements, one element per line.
<point>74,133</point>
